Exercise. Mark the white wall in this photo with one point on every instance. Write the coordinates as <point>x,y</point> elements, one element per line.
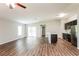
<point>9,30</point>
<point>52,26</point>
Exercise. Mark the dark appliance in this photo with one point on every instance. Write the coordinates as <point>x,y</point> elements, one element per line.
<point>53,38</point>
<point>73,36</point>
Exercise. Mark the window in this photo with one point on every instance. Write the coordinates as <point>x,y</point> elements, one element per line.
<point>20,30</point>
<point>32,31</point>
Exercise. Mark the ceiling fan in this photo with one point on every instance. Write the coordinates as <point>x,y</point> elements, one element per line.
<point>13,5</point>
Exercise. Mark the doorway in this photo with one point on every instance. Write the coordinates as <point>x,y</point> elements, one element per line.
<point>43,31</point>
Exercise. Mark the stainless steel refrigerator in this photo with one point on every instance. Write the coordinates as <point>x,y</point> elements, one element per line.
<point>73,35</point>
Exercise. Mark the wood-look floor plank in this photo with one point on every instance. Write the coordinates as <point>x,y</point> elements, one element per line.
<point>38,47</point>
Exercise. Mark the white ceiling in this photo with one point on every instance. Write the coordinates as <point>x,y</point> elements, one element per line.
<point>36,12</point>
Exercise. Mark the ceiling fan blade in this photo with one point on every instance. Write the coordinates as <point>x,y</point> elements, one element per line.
<point>21,5</point>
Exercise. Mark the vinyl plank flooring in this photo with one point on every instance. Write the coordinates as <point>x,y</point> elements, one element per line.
<point>38,47</point>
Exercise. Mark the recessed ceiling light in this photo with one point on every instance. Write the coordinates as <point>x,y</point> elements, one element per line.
<point>62,14</point>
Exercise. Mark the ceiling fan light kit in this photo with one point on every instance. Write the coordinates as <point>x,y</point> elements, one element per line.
<point>13,5</point>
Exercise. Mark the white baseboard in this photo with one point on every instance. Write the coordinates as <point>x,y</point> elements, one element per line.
<point>7,41</point>
<point>21,36</point>
<point>11,40</point>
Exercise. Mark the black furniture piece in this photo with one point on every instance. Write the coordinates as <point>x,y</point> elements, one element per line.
<point>67,37</point>
<point>72,36</point>
<point>53,38</point>
<point>69,24</point>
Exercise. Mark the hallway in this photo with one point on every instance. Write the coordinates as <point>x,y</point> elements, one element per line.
<point>38,47</point>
